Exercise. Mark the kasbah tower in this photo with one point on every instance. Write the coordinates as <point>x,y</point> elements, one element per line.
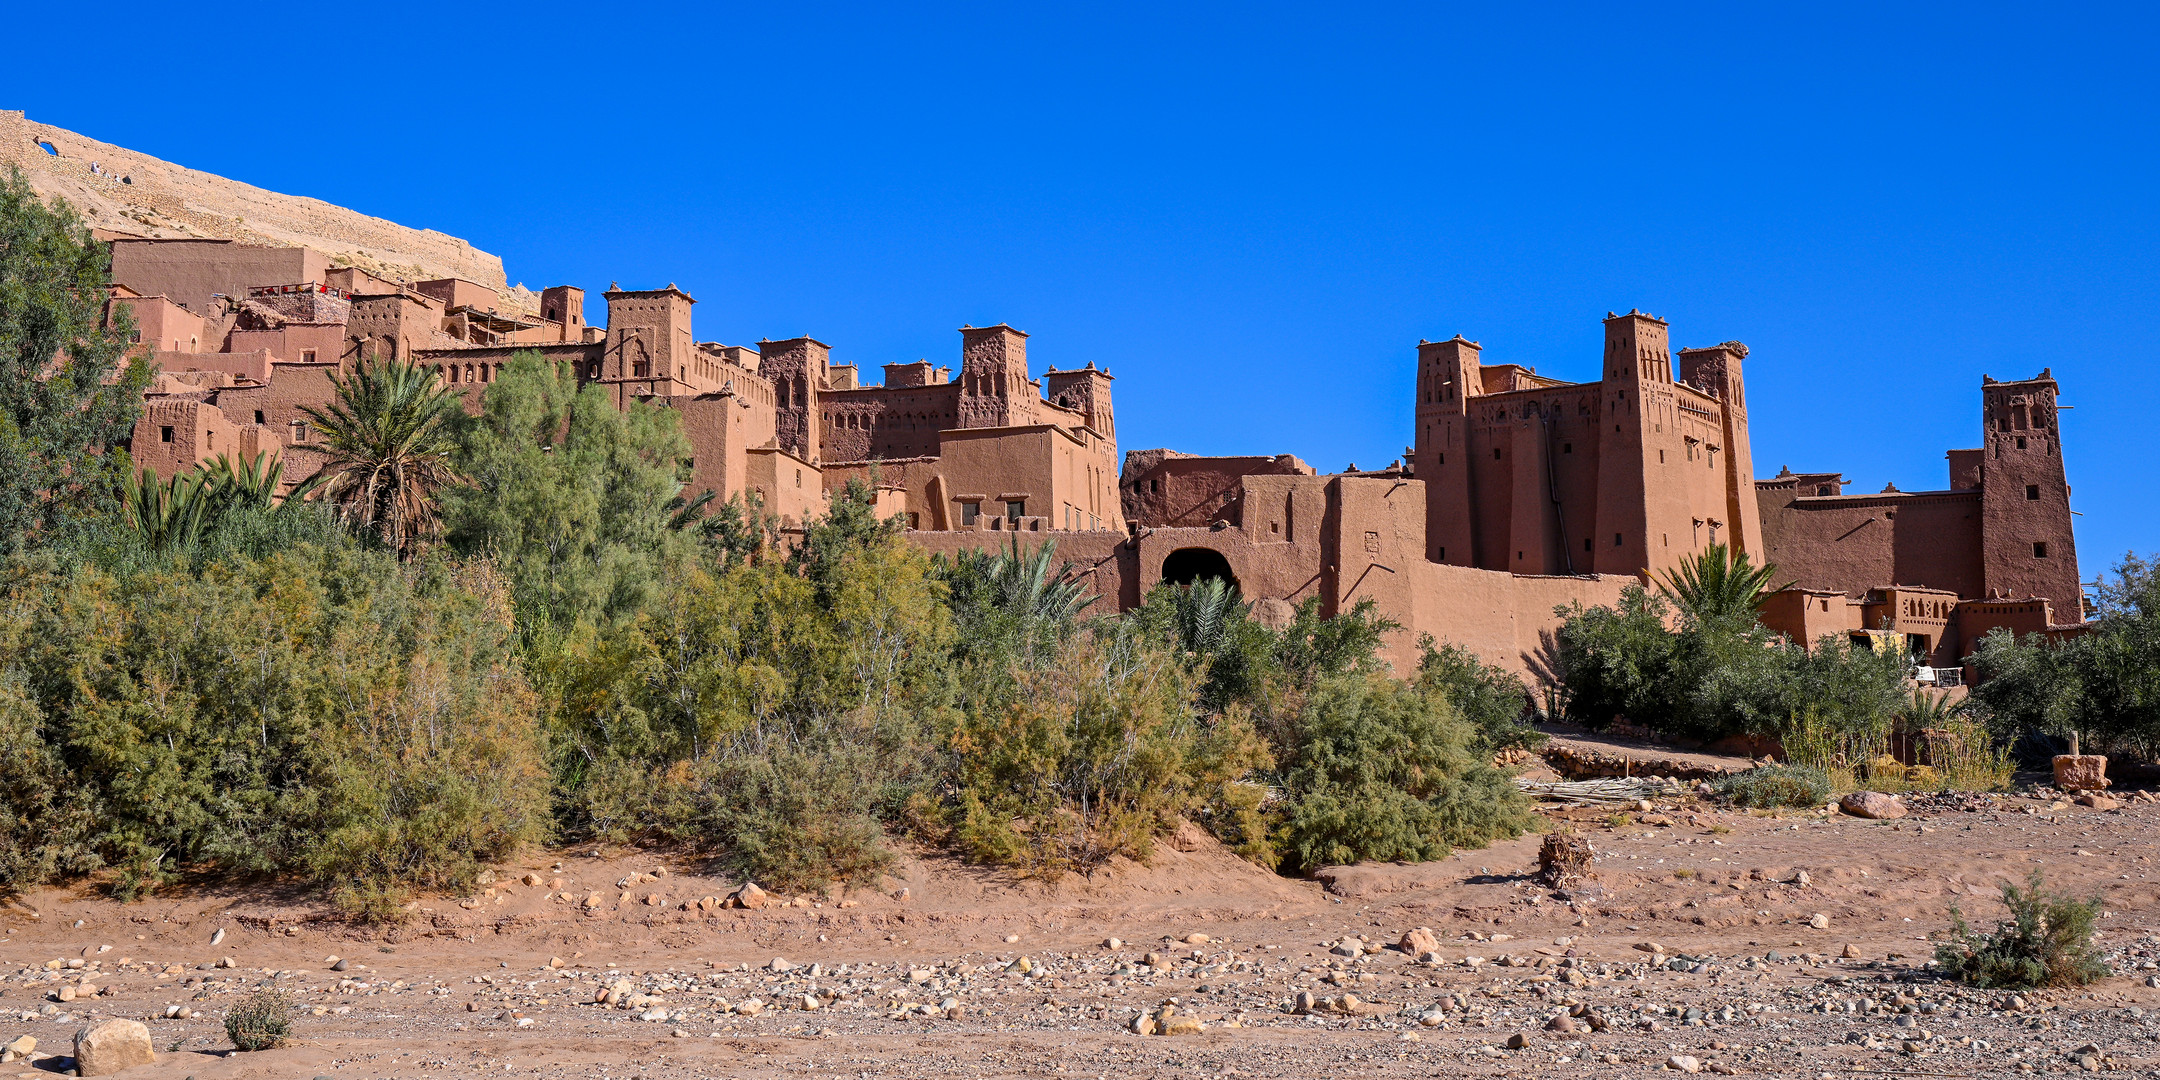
<point>1531,475</point>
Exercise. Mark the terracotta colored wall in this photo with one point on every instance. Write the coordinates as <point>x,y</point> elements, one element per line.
<point>790,486</point>
<point>163,325</point>
<point>189,271</point>
<point>2025,497</point>
<point>1166,489</point>
<point>1851,543</point>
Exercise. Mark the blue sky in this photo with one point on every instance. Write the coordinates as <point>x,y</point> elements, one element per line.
<point>1251,213</point>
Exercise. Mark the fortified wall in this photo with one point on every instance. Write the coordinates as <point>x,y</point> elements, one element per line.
<point>1519,493</point>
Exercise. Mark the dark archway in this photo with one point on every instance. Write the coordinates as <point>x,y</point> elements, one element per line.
<point>1187,565</point>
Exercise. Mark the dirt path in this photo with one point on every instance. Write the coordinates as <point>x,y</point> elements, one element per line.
<point>469,990</point>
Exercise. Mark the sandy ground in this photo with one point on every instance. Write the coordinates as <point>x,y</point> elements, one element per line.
<point>932,984</point>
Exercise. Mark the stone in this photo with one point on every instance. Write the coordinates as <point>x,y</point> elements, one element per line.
<point>593,900</point>
<point>901,894</point>
<point>1852,952</point>
<point>654,900</point>
<point>2081,772</point>
<point>341,965</point>
<point>1518,1041</point>
<point>1873,805</point>
<point>19,1050</point>
<point>218,938</point>
<point>1179,1025</point>
<point>1801,879</point>
<point>750,896</point>
<point>1420,941</point>
<point>780,964</point>
<point>1649,947</point>
<point>1819,921</point>
<point>112,1046</point>
<point>1683,1063</point>
<point>1561,1023</point>
<point>2098,802</point>
<point>751,1007</point>
<point>1112,943</point>
<point>1143,1024</point>
<point>1196,939</point>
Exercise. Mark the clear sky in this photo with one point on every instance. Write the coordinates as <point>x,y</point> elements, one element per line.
<point>1250,214</point>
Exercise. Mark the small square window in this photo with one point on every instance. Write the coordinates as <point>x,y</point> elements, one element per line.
<point>1496,453</point>
<point>1616,540</point>
<point>2021,442</point>
<point>2039,549</point>
<point>969,511</point>
<point>1015,510</point>
<point>164,434</point>
<point>307,356</point>
<point>2032,491</point>
<point>258,416</point>
<point>1443,459</point>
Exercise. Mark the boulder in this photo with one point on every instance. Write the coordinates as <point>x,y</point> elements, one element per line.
<point>750,896</point>
<point>2098,802</point>
<point>19,1050</point>
<point>2081,772</point>
<point>1683,1063</point>
<point>1420,941</point>
<point>1872,804</point>
<point>112,1046</point>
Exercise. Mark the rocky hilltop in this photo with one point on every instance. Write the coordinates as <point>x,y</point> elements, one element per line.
<point>121,191</point>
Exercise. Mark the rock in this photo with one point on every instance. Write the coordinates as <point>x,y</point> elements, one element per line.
<point>1348,947</point>
<point>19,1050</point>
<point>654,900</point>
<point>1852,952</point>
<point>1801,879</point>
<point>557,961</point>
<point>1432,1018</point>
<point>750,896</point>
<point>901,895</point>
<point>593,900</point>
<point>1420,941</point>
<point>2081,772</point>
<point>1683,1063</point>
<point>1155,960</point>
<point>112,1046</point>
<point>218,938</point>
<point>341,965</point>
<point>1819,921</point>
<point>752,1007</point>
<point>780,964</point>
<point>1196,939</point>
<point>1179,1025</point>
<point>1649,947</point>
<point>1518,1041</point>
<point>1143,1024</point>
<point>2098,802</point>
<point>1561,1023</point>
<point>1112,943</point>
<point>1872,804</point>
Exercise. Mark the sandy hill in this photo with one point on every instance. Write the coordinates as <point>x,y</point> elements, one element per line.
<point>141,195</point>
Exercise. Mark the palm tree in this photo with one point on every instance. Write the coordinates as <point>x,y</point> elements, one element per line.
<point>1718,585</point>
<point>388,436</point>
<point>165,513</point>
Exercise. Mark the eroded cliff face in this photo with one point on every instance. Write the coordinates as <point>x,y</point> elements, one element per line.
<point>133,193</point>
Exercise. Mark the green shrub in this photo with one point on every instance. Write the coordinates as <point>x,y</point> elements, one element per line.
<point>1386,771</point>
<point>1773,786</point>
<point>2047,941</point>
<point>327,712</point>
<point>1095,755</point>
<point>1492,699</point>
<point>260,1021</point>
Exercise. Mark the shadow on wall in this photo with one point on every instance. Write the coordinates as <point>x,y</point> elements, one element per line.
<point>1187,565</point>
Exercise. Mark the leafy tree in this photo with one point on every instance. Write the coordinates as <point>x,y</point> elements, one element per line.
<point>1211,627</point>
<point>69,394</point>
<point>574,498</point>
<point>2103,684</point>
<point>388,437</point>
